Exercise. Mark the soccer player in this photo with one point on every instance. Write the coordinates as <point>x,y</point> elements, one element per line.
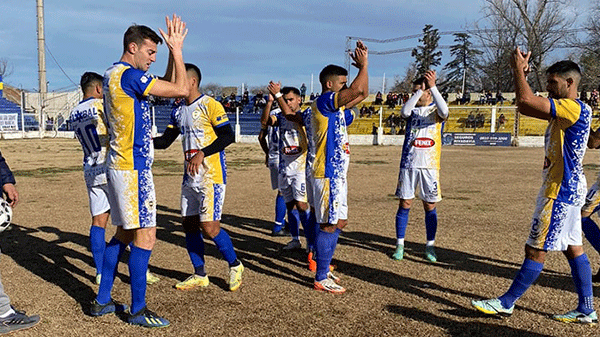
<point>331,115</point>
<point>556,223</point>
<point>129,161</point>
<point>87,119</point>
<point>293,149</point>
<point>268,138</point>
<point>206,132</point>
<point>88,122</point>
<point>426,111</point>
<point>592,205</point>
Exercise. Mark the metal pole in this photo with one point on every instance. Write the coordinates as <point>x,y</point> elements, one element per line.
<point>383,84</point>
<point>23,114</point>
<point>238,129</point>
<point>154,128</point>
<point>311,83</point>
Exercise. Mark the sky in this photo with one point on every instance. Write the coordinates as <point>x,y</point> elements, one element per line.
<point>232,41</point>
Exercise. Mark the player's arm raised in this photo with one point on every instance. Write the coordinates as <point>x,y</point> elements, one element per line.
<point>359,89</point>
<point>266,119</point>
<point>275,91</point>
<point>411,103</point>
<point>529,104</point>
<point>174,38</point>
<point>442,107</point>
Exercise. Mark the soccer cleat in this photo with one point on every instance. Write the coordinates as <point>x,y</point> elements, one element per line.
<point>98,278</point>
<point>235,277</point>
<point>294,244</point>
<point>492,306</point>
<point>98,309</point>
<point>193,282</point>
<point>430,253</point>
<point>575,316</point>
<point>278,230</point>
<point>333,277</point>
<point>151,278</point>
<point>147,319</point>
<point>328,285</point>
<point>17,321</point>
<point>399,253</point>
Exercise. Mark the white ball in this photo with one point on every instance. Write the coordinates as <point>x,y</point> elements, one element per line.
<point>5,215</point>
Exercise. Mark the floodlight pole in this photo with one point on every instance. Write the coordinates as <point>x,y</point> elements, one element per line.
<point>41,62</point>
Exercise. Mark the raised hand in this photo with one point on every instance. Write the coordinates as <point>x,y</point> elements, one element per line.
<point>429,79</point>
<point>274,87</point>
<point>520,60</point>
<point>360,56</point>
<point>176,33</point>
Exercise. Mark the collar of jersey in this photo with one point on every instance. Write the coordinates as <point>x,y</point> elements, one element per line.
<point>202,95</point>
<point>87,99</point>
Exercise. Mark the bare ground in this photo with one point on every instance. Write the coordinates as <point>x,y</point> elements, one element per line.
<point>489,194</point>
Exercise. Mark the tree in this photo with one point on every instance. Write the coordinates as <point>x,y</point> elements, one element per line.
<point>426,55</point>
<point>464,67</point>
<point>5,68</point>
<point>212,88</point>
<point>589,60</point>
<point>404,84</point>
<point>538,25</point>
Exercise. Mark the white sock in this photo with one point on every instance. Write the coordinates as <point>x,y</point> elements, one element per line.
<point>430,243</point>
<point>8,313</point>
<point>399,242</point>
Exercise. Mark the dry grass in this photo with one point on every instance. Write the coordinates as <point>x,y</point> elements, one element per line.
<point>489,195</point>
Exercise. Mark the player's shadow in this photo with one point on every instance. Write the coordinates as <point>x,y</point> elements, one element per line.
<point>454,259</point>
<point>257,254</point>
<point>49,259</point>
<point>455,328</point>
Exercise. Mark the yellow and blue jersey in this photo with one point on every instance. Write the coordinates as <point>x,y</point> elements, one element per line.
<point>197,123</point>
<point>330,137</point>
<point>423,139</point>
<point>128,116</point>
<point>565,143</point>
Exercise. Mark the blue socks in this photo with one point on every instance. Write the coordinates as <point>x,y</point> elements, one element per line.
<point>223,243</point>
<point>530,270</point>
<point>138,266</point>
<point>112,255</point>
<point>280,209</point>
<point>294,222</point>
<point>325,247</point>
<point>591,231</point>
<point>431,224</point>
<point>401,222</point>
<point>308,222</point>
<point>194,243</point>
<point>97,246</point>
<point>582,277</point>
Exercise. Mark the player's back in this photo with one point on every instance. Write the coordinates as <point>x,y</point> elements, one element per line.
<point>87,120</point>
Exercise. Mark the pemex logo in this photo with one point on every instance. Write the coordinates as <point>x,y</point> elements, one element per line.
<point>423,142</point>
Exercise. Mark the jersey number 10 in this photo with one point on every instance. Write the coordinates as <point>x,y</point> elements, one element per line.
<point>89,139</point>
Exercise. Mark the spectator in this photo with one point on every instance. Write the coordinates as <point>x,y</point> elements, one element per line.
<point>312,96</point>
<point>259,102</point>
<point>482,98</point>
<point>374,130</point>
<point>245,98</point>
<point>470,123</point>
<point>480,119</point>
<point>499,98</point>
<point>378,98</point>
<point>501,121</point>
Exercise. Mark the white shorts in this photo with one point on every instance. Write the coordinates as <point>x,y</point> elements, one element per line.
<point>293,187</point>
<point>427,180</point>
<point>98,196</point>
<point>207,201</point>
<point>555,225</point>
<point>331,200</point>
<point>274,176</point>
<point>132,198</point>
<point>592,199</point>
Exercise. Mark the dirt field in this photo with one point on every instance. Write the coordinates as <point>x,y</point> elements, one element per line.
<point>488,193</point>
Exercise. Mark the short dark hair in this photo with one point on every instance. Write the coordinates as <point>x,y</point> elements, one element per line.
<point>138,33</point>
<point>563,67</point>
<point>419,80</point>
<point>88,79</point>
<point>287,90</point>
<point>331,70</point>
<point>195,69</point>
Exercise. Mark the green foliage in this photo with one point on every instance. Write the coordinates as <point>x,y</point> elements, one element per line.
<point>426,55</point>
<point>463,68</point>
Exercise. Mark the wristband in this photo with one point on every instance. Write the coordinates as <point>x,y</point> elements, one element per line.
<point>279,94</point>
